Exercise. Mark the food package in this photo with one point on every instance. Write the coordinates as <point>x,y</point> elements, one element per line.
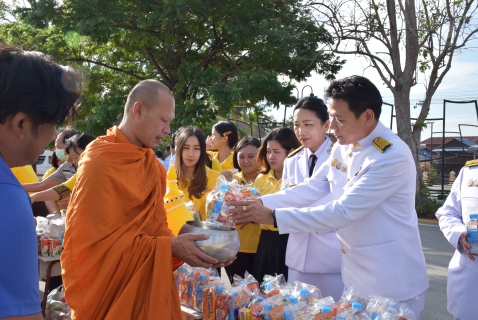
<point>216,208</point>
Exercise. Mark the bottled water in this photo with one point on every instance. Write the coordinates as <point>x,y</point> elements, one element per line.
<point>472,231</point>
<point>216,210</point>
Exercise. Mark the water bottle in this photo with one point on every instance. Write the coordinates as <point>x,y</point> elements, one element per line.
<point>288,315</point>
<point>200,292</point>
<point>267,309</point>
<point>294,302</point>
<point>472,231</point>
<point>304,296</point>
<point>356,306</point>
<point>233,304</point>
<point>216,210</point>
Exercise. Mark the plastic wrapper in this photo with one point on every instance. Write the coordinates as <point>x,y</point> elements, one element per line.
<point>216,208</point>
<point>306,292</point>
<point>248,280</point>
<point>223,302</point>
<point>56,306</point>
<point>272,285</point>
<point>194,211</point>
<point>288,183</point>
<point>381,308</point>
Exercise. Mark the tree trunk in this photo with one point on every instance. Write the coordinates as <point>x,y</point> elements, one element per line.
<point>401,95</point>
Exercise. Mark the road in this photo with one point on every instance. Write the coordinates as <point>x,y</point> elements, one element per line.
<point>438,253</point>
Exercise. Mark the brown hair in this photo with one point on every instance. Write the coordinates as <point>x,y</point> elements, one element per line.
<point>198,182</point>
<point>287,140</point>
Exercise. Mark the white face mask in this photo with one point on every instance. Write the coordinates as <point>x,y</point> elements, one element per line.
<point>60,153</point>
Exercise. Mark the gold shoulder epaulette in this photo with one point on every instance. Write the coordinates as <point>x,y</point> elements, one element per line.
<point>471,163</point>
<point>295,152</point>
<point>381,144</point>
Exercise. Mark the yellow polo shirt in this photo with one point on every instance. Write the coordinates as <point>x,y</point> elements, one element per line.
<point>25,174</point>
<point>250,233</point>
<point>227,164</point>
<point>267,184</point>
<point>70,183</point>
<point>200,204</point>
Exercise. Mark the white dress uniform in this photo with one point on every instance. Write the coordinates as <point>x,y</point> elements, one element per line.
<point>313,257</point>
<point>462,287</point>
<point>373,190</point>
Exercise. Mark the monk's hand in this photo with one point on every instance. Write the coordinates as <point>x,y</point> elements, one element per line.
<point>466,245</point>
<point>249,210</point>
<point>185,249</point>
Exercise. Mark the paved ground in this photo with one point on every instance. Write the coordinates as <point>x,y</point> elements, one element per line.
<point>438,253</point>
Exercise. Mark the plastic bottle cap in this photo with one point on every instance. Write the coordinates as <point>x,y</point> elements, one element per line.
<point>267,307</point>
<point>260,299</point>
<point>473,216</point>
<point>202,277</point>
<point>325,309</point>
<point>288,315</point>
<point>219,289</point>
<point>294,300</point>
<point>234,294</point>
<point>304,292</point>
<point>223,187</point>
<point>357,306</point>
<point>181,268</point>
<point>268,286</point>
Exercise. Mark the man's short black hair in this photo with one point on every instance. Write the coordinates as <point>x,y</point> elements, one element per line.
<point>159,154</point>
<point>359,92</point>
<point>30,82</point>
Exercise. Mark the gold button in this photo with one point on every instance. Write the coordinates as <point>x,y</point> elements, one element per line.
<point>343,251</point>
<point>356,145</point>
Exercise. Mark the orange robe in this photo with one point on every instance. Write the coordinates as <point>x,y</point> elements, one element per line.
<point>117,262</point>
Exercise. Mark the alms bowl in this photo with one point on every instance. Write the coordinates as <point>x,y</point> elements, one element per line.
<point>223,243</point>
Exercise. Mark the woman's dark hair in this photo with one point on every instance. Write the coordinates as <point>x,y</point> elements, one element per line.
<point>229,130</point>
<point>315,105</point>
<point>33,84</point>
<point>287,140</point>
<point>54,160</point>
<point>68,133</point>
<point>241,144</point>
<point>198,182</point>
<point>78,141</point>
<point>359,92</point>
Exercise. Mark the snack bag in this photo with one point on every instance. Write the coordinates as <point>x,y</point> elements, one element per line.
<point>196,301</point>
<point>322,309</point>
<point>216,209</point>
<point>271,285</point>
<point>222,303</point>
<point>305,292</point>
<point>209,303</point>
<point>250,282</point>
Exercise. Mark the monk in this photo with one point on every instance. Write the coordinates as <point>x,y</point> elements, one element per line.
<point>119,253</point>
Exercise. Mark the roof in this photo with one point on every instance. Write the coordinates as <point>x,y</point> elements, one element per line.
<point>456,145</point>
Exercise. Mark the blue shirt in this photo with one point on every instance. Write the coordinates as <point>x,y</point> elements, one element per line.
<point>19,292</point>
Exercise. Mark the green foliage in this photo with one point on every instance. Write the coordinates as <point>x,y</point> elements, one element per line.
<point>212,54</point>
<point>427,209</point>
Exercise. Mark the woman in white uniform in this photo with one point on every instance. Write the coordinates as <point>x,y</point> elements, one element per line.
<point>312,257</point>
<point>462,285</point>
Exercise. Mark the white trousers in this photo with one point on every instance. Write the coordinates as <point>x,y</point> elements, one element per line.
<point>417,304</point>
<point>330,284</point>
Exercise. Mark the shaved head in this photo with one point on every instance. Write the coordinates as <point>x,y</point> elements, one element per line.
<point>148,113</point>
<point>147,92</point>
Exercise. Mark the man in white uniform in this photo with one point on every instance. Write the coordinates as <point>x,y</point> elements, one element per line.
<point>462,287</point>
<point>371,177</point>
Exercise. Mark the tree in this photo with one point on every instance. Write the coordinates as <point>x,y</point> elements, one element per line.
<point>210,53</point>
<point>402,39</point>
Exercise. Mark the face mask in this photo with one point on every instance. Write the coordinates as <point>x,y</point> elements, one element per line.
<point>60,153</point>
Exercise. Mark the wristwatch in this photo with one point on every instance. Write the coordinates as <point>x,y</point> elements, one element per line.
<point>273,213</point>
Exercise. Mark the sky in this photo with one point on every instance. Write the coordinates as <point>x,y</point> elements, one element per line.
<point>459,84</point>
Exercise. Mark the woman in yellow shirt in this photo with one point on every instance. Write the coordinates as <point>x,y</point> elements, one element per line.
<point>245,161</point>
<point>223,138</point>
<point>270,256</point>
<point>195,179</point>
<point>74,147</point>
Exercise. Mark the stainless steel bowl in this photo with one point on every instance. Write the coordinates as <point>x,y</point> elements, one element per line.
<point>223,243</point>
